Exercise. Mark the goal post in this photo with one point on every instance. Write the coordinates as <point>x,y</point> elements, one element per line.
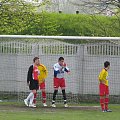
<point>84,56</point>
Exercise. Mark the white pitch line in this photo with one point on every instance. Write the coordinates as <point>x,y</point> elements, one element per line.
<point>85,106</point>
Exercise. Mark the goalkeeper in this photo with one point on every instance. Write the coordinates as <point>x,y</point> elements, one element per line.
<point>59,81</point>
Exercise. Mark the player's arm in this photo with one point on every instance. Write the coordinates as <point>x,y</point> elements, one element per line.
<point>45,71</point>
<point>56,70</point>
<point>66,69</point>
<point>29,75</point>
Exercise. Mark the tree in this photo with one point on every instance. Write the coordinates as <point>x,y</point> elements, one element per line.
<point>21,17</point>
<point>99,6</point>
<point>43,24</point>
<point>13,14</point>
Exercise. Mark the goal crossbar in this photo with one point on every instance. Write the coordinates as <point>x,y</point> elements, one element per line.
<point>60,37</point>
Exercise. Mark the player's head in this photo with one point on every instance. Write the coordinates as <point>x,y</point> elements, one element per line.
<point>36,60</point>
<point>107,64</point>
<point>61,61</point>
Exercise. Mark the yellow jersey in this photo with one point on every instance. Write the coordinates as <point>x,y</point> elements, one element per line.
<point>103,76</point>
<point>43,73</point>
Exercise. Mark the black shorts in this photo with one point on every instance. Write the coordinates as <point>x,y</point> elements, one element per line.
<point>34,85</point>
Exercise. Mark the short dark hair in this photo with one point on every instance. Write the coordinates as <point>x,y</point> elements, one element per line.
<point>106,64</point>
<point>61,58</point>
<point>35,58</point>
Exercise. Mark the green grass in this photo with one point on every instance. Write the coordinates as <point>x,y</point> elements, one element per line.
<point>19,112</point>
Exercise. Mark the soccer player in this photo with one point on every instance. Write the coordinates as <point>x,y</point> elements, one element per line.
<point>104,88</point>
<point>59,81</point>
<point>42,84</point>
<point>32,81</point>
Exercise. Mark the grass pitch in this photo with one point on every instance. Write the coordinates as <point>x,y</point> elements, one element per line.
<point>17,111</point>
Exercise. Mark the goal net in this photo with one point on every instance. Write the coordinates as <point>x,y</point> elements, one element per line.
<point>84,56</point>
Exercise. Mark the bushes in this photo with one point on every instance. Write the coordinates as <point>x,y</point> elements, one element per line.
<point>87,25</point>
<point>41,24</point>
<point>61,24</point>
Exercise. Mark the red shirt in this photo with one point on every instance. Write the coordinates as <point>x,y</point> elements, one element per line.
<point>35,73</point>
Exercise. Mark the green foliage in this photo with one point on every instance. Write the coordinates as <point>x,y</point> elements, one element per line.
<point>18,17</point>
<point>13,16</point>
<point>88,25</point>
<point>41,24</point>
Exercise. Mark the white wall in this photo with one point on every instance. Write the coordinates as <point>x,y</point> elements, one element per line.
<point>84,68</point>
